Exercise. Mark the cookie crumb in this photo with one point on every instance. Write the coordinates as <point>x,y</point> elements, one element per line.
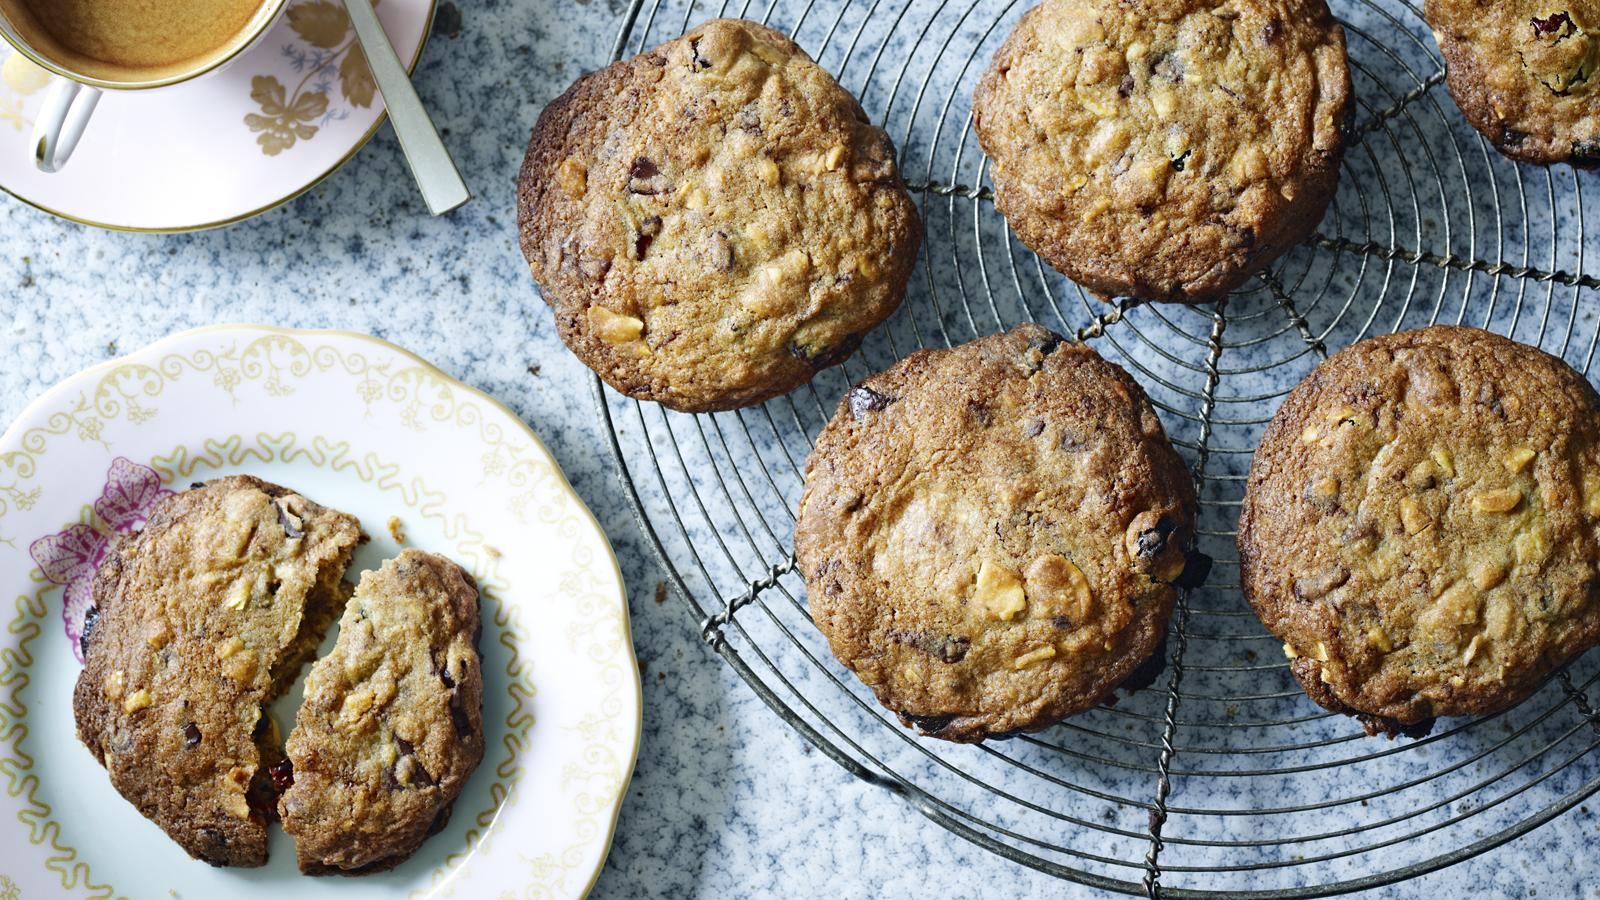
<point>397,530</point>
<point>661,592</point>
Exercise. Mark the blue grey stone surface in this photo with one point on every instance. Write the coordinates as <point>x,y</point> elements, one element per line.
<point>728,800</point>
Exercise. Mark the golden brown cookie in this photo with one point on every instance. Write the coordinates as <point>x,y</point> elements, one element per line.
<point>201,618</point>
<point>714,220</point>
<point>392,724</point>
<point>1420,527</point>
<point>1165,149</point>
<point>1526,73</point>
<point>989,534</point>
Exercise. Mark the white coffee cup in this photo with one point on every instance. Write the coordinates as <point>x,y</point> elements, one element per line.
<point>80,80</point>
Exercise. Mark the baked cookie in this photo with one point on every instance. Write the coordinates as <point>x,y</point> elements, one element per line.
<point>990,534</point>
<point>714,220</point>
<point>1165,149</point>
<point>1525,74</point>
<point>1420,527</point>
<point>392,724</point>
<point>201,618</point>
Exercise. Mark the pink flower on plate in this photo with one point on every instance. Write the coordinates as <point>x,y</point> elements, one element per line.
<point>70,557</point>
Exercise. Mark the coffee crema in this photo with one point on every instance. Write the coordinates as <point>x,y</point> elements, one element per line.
<point>136,40</point>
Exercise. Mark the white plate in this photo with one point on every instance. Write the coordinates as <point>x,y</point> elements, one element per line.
<point>264,130</point>
<point>361,425</point>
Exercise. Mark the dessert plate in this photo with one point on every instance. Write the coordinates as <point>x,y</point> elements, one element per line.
<point>267,128</point>
<point>425,462</point>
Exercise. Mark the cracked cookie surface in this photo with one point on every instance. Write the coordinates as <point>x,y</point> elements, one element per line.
<point>715,220</point>
<point>1420,526</point>
<point>1165,149</point>
<point>1525,74</point>
<point>989,533</point>
<point>392,723</point>
<point>201,618</point>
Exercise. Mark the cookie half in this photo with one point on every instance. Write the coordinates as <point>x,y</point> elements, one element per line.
<point>714,220</point>
<point>1525,74</point>
<point>1420,526</point>
<point>990,534</point>
<point>1165,149</point>
<point>392,724</point>
<point>202,618</point>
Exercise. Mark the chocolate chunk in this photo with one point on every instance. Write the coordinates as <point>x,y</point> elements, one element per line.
<point>458,715</point>
<point>929,725</point>
<point>1152,542</point>
<point>191,734</point>
<point>824,357</point>
<point>700,62</point>
<point>1196,569</point>
<point>1272,31</point>
<point>865,400</point>
<point>288,526</point>
<point>90,618</point>
<point>648,229</point>
<point>196,485</point>
<point>1181,161</point>
<point>641,176</point>
<point>1125,88</point>
<point>1586,153</point>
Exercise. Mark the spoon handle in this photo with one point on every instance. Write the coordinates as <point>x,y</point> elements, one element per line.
<point>436,173</point>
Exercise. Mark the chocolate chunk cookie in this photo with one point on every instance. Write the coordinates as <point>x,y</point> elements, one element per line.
<point>392,724</point>
<point>1525,74</point>
<point>714,220</point>
<point>1420,525</point>
<point>203,617</point>
<point>989,534</point>
<point>1165,149</point>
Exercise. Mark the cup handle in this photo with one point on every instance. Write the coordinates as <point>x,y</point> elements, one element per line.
<point>61,123</point>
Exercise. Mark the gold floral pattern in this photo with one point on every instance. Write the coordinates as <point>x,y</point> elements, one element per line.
<point>325,50</point>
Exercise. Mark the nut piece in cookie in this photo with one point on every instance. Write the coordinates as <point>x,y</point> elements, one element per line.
<point>392,724</point>
<point>714,220</point>
<point>1165,149</point>
<point>990,534</point>
<point>202,617</point>
<point>1525,74</point>
<point>1419,527</point>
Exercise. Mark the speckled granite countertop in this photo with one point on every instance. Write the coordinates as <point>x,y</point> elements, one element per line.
<point>726,800</point>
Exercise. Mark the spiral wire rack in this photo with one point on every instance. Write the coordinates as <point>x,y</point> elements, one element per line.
<point>1218,778</point>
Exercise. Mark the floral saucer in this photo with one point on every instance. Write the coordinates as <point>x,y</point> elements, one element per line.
<point>423,461</point>
<point>220,149</point>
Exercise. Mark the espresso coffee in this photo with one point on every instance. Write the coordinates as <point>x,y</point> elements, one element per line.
<point>135,40</point>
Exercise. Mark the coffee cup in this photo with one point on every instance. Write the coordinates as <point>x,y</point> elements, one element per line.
<point>93,46</point>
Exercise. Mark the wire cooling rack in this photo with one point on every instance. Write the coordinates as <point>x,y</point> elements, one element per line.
<point>1219,778</point>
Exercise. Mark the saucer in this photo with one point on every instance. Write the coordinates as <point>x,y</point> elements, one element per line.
<point>220,149</point>
<point>422,461</point>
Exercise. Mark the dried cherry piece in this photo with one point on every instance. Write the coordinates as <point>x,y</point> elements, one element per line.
<point>282,775</point>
